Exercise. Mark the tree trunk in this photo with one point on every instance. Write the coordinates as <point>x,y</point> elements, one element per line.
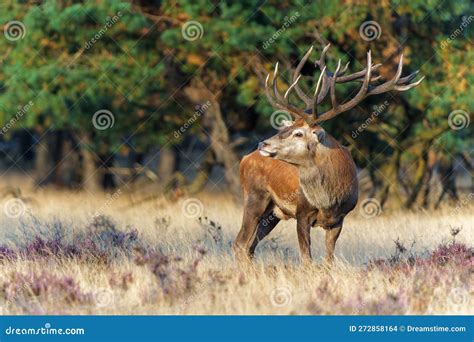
<point>43,162</point>
<point>167,164</point>
<point>420,176</point>
<point>219,135</point>
<point>91,176</point>
<point>220,144</point>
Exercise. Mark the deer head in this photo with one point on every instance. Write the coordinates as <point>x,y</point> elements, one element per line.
<point>302,138</point>
<point>295,143</point>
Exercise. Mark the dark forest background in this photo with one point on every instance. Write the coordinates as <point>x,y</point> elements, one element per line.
<point>165,97</point>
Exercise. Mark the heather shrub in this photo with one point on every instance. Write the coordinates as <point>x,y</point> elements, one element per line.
<point>25,289</point>
<point>101,241</point>
<point>175,277</point>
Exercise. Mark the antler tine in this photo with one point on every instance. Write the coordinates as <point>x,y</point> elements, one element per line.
<point>343,71</point>
<point>359,75</point>
<point>354,101</point>
<point>408,78</point>
<point>306,99</point>
<point>384,87</point>
<point>327,83</point>
<point>267,92</point>
<point>333,85</point>
<point>279,101</point>
<point>321,63</point>
<point>396,83</point>
<point>275,85</point>
<point>408,86</point>
<point>293,85</point>
<point>316,92</point>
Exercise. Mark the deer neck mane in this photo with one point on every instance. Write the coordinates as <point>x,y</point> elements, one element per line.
<point>322,179</point>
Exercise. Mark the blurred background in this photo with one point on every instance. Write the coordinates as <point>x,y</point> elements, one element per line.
<point>164,97</point>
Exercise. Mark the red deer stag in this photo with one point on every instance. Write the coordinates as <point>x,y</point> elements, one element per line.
<point>302,172</point>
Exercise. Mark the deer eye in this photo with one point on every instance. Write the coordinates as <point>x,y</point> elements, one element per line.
<point>298,135</point>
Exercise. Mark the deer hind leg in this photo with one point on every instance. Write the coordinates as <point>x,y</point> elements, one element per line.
<point>265,226</point>
<point>254,209</point>
<point>331,237</point>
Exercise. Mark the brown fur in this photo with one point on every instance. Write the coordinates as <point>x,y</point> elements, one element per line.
<point>277,178</point>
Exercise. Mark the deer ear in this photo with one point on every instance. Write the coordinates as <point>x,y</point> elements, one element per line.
<point>320,135</point>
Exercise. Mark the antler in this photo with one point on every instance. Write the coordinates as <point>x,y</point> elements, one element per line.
<point>327,83</point>
<point>282,102</point>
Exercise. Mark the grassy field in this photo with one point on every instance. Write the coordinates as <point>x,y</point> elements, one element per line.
<point>75,253</point>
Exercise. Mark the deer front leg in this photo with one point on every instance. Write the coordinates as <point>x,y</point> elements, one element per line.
<point>303,228</point>
<point>331,237</point>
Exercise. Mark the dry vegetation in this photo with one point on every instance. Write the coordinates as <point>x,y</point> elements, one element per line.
<point>60,257</point>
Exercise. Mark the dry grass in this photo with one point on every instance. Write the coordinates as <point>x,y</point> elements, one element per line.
<point>169,272</point>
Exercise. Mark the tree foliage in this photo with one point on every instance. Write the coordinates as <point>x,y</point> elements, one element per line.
<point>139,61</point>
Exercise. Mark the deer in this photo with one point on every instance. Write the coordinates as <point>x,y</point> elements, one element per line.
<point>303,172</point>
